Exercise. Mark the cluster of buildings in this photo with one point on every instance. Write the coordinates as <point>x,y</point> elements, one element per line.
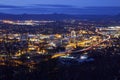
<point>26,22</point>
<point>52,43</point>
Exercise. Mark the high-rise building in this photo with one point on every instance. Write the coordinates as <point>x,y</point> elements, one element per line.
<point>73,36</point>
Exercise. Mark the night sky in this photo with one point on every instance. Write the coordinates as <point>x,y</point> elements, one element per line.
<point>80,3</point>
<point>58,6</point>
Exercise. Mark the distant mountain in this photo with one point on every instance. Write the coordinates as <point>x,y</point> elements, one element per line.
<point>45,16</point>
<point>59,9</point>
<point>56,17</point>
<point>116,17</point>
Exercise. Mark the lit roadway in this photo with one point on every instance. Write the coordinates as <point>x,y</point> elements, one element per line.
<point>17,62</point>
<point>83,50</point>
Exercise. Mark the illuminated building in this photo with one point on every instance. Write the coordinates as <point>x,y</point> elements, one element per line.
<point>73,37</point>
<point>73,34</point>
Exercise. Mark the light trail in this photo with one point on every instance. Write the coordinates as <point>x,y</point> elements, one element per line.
<point>83,50</point>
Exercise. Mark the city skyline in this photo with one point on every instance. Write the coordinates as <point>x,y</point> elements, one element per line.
<point>59,39</point>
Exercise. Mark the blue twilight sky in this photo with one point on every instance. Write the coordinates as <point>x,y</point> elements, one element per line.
<point>80,3</point>
<point>60,6</point>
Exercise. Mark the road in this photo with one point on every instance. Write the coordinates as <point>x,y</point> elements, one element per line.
<point>83,50</point>
<point>17,62</point>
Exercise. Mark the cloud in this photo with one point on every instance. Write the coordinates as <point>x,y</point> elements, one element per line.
<point>54,5</point>
<point>35,6</point>
<point>9,6</point>
<point>60,9</point>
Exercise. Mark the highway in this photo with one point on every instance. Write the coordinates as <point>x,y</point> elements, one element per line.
<point>56,55</point>
<point>83,50</point>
